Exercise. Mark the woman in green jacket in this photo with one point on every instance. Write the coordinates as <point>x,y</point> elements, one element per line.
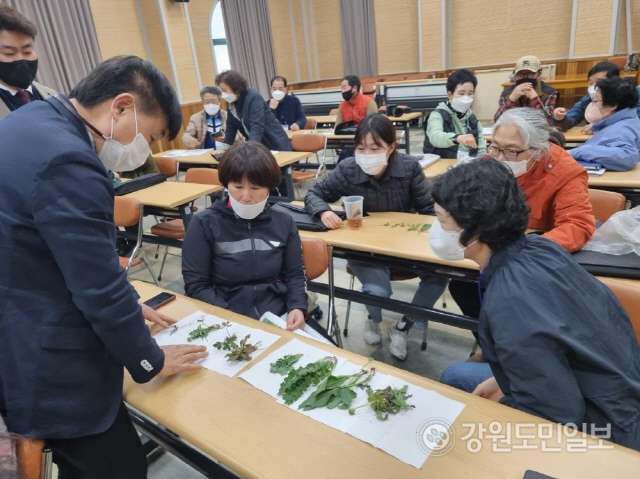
<point>453,131</point>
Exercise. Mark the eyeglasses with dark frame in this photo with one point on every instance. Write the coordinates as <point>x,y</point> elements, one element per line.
<point>494,151</point>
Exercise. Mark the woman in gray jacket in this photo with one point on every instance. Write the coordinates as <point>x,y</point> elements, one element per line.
<point>388,181</point>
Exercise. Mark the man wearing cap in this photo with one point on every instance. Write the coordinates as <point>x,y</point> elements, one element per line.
<point>528,90</point>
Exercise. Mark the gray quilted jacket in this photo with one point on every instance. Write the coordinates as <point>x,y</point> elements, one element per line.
<point>404,188</point>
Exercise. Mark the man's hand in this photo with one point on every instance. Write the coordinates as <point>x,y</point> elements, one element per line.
<point>531,92</point>
<point>294,127</point>
<point>489,389</point>
<point>331,220</point>
<point>156,317</point>
<point>295,319</point>
<point>519,91</point>
<point>467,140</point>
<point>586,130</point>
<point>559,114</point>
<point>273,103</point>
<point>192,142</point>
<point>179,358</point>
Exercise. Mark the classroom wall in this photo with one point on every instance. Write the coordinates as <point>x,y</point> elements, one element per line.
<point>307,39</point>
<point>621,44</point>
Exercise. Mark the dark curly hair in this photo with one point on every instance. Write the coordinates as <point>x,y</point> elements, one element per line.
<point>460,77</point>
<point>619,92</point>
<point>486,202</point>
<point>234,80</point>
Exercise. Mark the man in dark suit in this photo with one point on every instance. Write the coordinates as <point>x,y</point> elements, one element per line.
<point>69,319</point>
<point>18,62</point>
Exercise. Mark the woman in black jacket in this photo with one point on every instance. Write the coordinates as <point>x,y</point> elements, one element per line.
<point>240,255</point>
<point>388,181</point>
<point>249,114</point>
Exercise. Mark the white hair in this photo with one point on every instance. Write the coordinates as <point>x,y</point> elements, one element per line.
<point>532,126</point>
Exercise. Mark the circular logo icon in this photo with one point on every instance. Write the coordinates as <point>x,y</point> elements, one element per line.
<point>436,437</point>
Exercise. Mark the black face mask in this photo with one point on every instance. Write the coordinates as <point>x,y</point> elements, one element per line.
<point>347,95</point>
<point>533,82</point>
<point>19,74</point>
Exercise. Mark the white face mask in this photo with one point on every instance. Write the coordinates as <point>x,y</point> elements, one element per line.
<point>118,157</point>
<point>229,97</point>
<point>211,109</point>
<point>592,91</point>
<point>278,95</point>
<point>462,103</point>
<point>446,244</point>
<point>247,212</point>
<point>519,168</point>
<point>372,164</point>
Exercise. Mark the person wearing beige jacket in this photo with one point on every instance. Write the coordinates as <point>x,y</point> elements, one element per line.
<point>208,125</point>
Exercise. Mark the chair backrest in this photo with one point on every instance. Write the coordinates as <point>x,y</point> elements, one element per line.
<point>202,176</point>
<point>606,203</point>
<point>167,166</point>
<point>629,297</point>
<point>126,211</point>
<point>312,123</point>
<point>369,89</point>
<point>29,453</point>
<point>620,61</point>
<point>315,256</point>
<point>334,112</point>
<point>308,142</point>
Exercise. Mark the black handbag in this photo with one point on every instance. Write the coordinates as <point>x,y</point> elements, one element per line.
<point>302,219</point>
<point>139,183</point>
<point>346,128</point>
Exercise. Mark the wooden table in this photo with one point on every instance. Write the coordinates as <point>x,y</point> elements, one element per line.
<point>246,431</point>
<point>400,122</point>
<point>284,159</point>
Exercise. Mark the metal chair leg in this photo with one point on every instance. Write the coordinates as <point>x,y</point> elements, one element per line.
<point>146,263</point>
<point>157,250</point>
<point>423,346</point>
<point>474,349</point>
<point>346,320</point>
<point>164,258</point>
<point>47,463</point>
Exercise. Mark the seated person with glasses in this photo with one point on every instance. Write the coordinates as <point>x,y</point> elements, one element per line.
<point>528,90</point>
<point>558,343</point>
<point>615,125</point>
<point>208,125</point>
<point>554,184</point>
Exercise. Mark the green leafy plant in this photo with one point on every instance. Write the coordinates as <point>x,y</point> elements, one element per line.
<point>285,364</point>
<point>237,352</point>
<point>419,227</point>
<point>203,330</point>
<point>299,379</point>
<point>338,391</point>
<point>267,321</point>
<point>386,401</point>
<point>173,330</point>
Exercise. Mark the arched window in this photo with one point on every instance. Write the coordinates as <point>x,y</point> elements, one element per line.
<point>219,39</point>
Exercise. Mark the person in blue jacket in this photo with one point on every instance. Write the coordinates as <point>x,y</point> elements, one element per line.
<point>287,108</point>
<point>69,319</point>
<point>558,343</point>
<point>616,127</point>
<point>249,114</point>
<point>566,120</point>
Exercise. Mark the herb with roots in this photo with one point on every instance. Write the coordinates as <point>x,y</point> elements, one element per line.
<point>386,401</point>
<point>237,352</point>
<point>298,380</point>
<point>338,391</point>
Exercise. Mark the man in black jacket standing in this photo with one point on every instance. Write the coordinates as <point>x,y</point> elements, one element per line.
<point>69,319</point>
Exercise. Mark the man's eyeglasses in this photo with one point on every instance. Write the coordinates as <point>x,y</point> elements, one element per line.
<point>507,153</point>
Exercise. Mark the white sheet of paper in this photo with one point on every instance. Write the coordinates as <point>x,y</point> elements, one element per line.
<point>216,361</point>
<point>306,332</point>
<point>428,159</point>
<point>395,436</point>
<point>187,153</point>
<point>487,130</point>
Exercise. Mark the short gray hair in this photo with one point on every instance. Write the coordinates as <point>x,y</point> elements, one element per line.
<point>214,90</point>
<point>532,126</point>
